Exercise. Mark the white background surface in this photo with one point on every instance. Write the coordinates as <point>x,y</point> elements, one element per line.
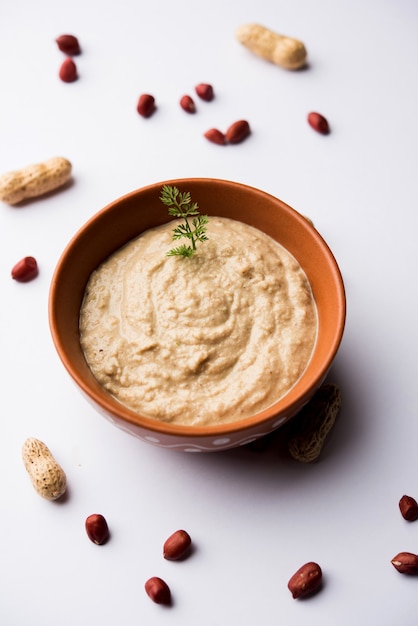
<point>254,517</point>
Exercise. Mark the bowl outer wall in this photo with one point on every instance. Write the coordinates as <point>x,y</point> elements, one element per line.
<point>125,218</point>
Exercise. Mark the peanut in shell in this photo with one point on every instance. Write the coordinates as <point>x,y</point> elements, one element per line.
<point>34,180</point>
<point>314,423</point>
<point>287,52</point>
<point>47,476</point>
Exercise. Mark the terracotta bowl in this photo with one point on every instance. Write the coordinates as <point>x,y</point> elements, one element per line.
<point>124,219</point>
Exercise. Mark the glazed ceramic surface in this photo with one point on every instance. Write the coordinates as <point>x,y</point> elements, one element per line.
<point>126,218</point>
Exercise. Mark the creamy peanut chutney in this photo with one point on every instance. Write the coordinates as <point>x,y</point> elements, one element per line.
<point>203,340</point>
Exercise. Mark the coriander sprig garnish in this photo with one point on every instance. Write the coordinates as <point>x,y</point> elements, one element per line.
<point>180,205</point>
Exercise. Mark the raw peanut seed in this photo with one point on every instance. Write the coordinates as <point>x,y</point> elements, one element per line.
<point>26,269</point>
<point>306,580</point>
<point>238,131</point>
<point>187,104</point>
<point>68,71</point>
<point>205,91</point>
<point>158,590</point>
<point>406,563</point>
<point>215,136</point>
<point>318,123</point>
<point>68,44</point>
<point>146,105</point>
<point>409,508</point>
<point>97,529</point>
<point>177,545</point>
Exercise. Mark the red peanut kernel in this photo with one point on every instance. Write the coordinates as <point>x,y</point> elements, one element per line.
<point>146,105</point>
<point>26,269</point>
<point>177,545</point>
<point>205,91</point>
<point>187,104</point>
<point>68,44</point>
<point>306,580</point>
<point>319,123</point>
<point>406,563</point>
<point>238,131</point>
<point>97,529</point>
<point>158,590</point>
<point>68,71</point>
<point>409,508</point>
<point>215,136</point>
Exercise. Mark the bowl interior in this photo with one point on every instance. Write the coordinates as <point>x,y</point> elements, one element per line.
<point>127,217</point>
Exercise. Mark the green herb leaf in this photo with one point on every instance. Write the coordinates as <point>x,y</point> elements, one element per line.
<point>180,205</point>
<point>183,250</point>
